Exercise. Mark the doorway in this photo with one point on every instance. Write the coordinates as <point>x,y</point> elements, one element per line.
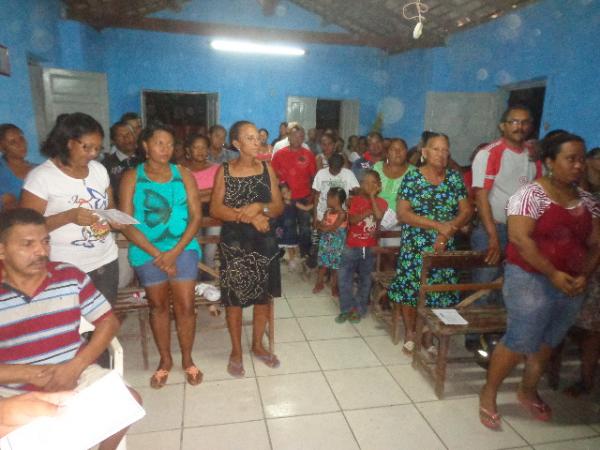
<point>185,112</point>
<point>328,114</point>
<point>533,98</point>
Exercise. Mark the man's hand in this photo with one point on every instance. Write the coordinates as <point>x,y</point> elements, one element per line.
<point>21,409</point>
<point>564,283</point>
<point>493,252</point>
<point>39,375</point>
<point>64,376</point>
<point>579,285</point>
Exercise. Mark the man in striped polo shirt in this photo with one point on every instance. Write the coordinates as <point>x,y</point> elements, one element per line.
<point>41,305</point>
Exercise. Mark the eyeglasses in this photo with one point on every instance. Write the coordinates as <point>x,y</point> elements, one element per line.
<point>88,148</point>
<point>515,122</point>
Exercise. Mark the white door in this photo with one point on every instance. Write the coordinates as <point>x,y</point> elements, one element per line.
<point>468,119</point>
<point>349,113</point>
<point>302,110</point>
<point>67,91</point>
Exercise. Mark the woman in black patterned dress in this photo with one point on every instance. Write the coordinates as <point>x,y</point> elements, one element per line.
<point>246,197</point>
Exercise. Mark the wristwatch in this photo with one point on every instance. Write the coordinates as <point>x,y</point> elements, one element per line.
<point>266,210</point>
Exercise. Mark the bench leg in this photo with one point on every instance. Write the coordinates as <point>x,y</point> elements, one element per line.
<point>440,368</point>
<point>143,321</point>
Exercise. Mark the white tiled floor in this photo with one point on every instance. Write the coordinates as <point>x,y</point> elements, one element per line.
<point>339,387</point>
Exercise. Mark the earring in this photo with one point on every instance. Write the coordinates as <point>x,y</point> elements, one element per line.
<point>423,159</point>
<point>550,173</point>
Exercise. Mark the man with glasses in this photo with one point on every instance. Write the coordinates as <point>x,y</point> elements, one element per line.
<point>499,170</point>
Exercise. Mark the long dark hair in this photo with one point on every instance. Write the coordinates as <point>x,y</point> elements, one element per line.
<point>147,134</point>
<point>69,127</point>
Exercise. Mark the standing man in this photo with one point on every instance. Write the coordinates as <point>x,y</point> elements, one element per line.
<point>124,157</point>
<point>41,305</point>
<point>499,170</point>
<point>297,166</point>
<point>285,141</point>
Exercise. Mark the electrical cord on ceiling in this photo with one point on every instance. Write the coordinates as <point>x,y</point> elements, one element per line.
<point>421,8</point>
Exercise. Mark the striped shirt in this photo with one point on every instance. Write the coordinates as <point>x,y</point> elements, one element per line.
<point>44,329</point>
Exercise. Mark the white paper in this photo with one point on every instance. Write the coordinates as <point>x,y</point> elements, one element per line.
<point>114,215</point>
<point>389,220</point>
<point>92,415</point>
<point>450,316</point>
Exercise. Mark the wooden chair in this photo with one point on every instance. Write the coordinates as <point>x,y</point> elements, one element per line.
<point>484,319</point>
<point>381,282</point>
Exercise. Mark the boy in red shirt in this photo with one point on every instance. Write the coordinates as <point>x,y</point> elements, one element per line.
<point>365,211</point>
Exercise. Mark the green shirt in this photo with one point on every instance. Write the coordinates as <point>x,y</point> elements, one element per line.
<point>390,186</point>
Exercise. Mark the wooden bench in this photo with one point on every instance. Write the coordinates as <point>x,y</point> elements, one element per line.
<point>382,279</point>
<point>484,319</point>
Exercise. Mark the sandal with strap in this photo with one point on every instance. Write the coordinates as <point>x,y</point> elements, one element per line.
<point>269,359</point>
<point>236,369</point>
<point>408,347</point>
<point>193,375</point>
<point>539,409</point>
<point>490,420</point>
<point>159,378</point>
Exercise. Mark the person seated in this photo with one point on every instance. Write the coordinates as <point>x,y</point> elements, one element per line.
<point>41,305</point>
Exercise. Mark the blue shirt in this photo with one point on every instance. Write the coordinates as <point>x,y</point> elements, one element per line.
<point>9,182</point>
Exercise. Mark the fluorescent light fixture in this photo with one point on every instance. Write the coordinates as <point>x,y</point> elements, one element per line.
<point>254,47</point>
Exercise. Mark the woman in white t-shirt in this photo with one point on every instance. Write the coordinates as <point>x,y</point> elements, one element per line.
<point>66,189</point>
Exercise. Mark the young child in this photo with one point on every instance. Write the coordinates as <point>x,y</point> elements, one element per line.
<point>333,236</point>
<point>365,211</point>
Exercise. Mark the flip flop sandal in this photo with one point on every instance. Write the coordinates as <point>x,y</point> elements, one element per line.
<point>270,360</point>
<point>193,375</point>
<point>490,420</point>
<point>408,347</point>
<point>318,288</point>
<point>432,351</point>
<point>539,409</point>
<point>159,378</point>
<point>236,369</point>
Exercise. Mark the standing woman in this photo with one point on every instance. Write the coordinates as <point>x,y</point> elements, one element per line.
<point>66,189</point>
<point>432,206</point>
<point>553,249</point>
<point>163,197</point>
<point>13,165</point>
<point>265,152</point>
<point>245,198</point>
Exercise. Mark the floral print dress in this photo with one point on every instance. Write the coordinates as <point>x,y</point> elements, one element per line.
<point>436,202</point>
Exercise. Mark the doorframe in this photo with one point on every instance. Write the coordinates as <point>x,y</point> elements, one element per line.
<point>163,91</point>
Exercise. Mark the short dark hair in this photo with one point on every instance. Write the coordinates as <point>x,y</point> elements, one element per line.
<point>339,192</point>
<point>189,141</point>
<point>19,216</point>
<point>373,173</point>
<point>434,134</point>
<point>6,127</point>
<point>234,131</point>
<point>115,127</point>
<point>514,108</point>
<point>265,130</point>
<point>593,152</point>
<point>551,146</point>
<point>129,116</point>
<point>147,134</point>
<point>336,161</point>
<point>402,141</point>
<point>70,127</point>
<point>214,128</point>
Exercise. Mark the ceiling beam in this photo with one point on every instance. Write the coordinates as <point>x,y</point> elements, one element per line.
<point>224,30</point>
<point>268,6</point>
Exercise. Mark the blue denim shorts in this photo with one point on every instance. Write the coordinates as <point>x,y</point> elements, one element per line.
<point>187,269</point>
<point>537,312</point>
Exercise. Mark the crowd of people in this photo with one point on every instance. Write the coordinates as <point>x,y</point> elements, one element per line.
<point>313,202</point>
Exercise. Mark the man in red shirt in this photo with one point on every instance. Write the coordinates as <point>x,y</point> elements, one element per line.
<point>297,167</point>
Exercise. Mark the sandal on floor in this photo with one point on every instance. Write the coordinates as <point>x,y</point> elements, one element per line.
<point>408,347</point>
<point>432,351</point>
<point>490,420</point>
<point>159,378</point>
<point>318,288</point>
<point>236,369</point>
<point>539,409</point>
<point>354,317</point>
<point>270,360</point>
<point>193,375</point>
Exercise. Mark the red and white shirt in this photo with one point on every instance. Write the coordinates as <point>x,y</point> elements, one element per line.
<point>363,233</point>
<point>502,170</point>
<point>44,328</point>
<point>560,233</point>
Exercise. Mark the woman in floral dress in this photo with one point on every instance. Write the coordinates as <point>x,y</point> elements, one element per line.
<point>432,206</point>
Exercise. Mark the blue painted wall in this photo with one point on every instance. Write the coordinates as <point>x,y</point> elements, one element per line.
<point>555,39</point>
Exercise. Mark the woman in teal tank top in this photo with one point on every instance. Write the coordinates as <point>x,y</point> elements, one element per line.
<point>164,198</point>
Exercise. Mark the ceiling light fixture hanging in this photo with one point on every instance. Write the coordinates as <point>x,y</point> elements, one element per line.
<point>421,9</point>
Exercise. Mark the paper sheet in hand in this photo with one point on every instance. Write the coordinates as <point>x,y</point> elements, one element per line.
<point>116,216</point>
<point>450,316</point>
<point>389,219</point>
<point>92,415</point>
